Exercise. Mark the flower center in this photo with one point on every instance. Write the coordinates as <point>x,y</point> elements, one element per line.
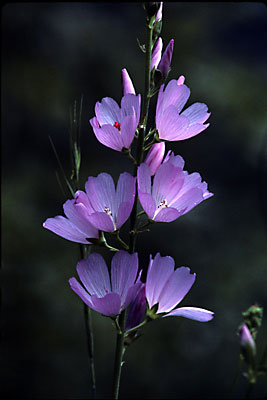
<point>107,210</point>
<point>163,204</point>
<point>117,125</point>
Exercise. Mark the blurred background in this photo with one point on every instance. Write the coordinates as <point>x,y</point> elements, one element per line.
<point>51,55</point>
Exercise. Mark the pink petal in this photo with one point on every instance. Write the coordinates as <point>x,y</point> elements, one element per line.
<point>197,314</point>
<point>94,275</point>
<point>101,192</point>
<point>79,290</point>
<point>124,267</point>
<point>108,305</point>
<point>171,125</point>
<point>175,288</point>
<point>128,128</point>
<point>167,183</point>
<point>102,221</point>
<point>130,105</point>
<point>79,218</point>
<point>167,215</point>
<point>61,226</point>
<point>144,178</point>
<point>148,203</point>
<point>125,195</point>
<point>159,270</point>
<point>108,111</point>
<point>196,113</point>
<point>108,135</point>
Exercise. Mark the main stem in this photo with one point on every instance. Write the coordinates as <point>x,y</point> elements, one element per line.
<point>89,337</point>
<point>120,348</point>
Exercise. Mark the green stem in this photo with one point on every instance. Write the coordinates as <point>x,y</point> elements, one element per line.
<point>89,334</point>
<point>120,349</point>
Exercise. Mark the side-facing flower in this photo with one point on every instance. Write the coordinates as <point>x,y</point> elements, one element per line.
<point>76,227</point>
<point>174,192</point>
<point>108,295</point>
<point>166,287</point>
<point>171,123</point>
<point>110,207</point>
<point>115,126</point>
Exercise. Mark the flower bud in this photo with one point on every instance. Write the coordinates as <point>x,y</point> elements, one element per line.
<point>153,8</point>
<point>127,85</point>
<point>248,346</point>
<point>165,62</point>
<point>155,156</point>
<point>156,54</point>
<point>137,309</point>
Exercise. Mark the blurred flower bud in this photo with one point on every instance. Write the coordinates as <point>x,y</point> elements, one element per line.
<point>155,156</point>
<point>253,319</point>
<point>153,8</point>
<point>165,62</point>
<point>127,85</point>
<point>248,346</point>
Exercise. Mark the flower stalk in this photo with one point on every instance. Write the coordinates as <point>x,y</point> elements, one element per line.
<point>120,345</point>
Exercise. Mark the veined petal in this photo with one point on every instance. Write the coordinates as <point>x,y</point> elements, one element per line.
<point>128,128</point>
<point>193,130</point>
<point>148,203</point>
<point>82,199</point>
<point>176,95</point>
<point>144,178</point>
<point>196,113</point>
<point>125,192</point>
<point>197,314</point>
<point>108,305</point>
<point>79,290</point>
<point>159,271</point>
<point>166,59</point>
<point>108,111</point>
<point>124,267</point>
<point>172,126</point>
<point>102,221</point>
<point>61,226</point>
<point>108,135</point>
<point>123,213</point>
<point>101,193</point>
<point>176,287</point>
<point>167,183</point>
<point>167,215</point>
<point>79,218</point>
<point>94,275</point>
<point>130,105</point>
<point>188,200</point>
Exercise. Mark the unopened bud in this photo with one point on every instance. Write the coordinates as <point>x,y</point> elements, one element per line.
<point>155,156</point>
<point>156,54</point>
<point>127,85</point>
<point>165,61</point>
<point>248,346</point>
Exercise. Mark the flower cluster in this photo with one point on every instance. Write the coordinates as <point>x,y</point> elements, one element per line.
<point>165,190</point>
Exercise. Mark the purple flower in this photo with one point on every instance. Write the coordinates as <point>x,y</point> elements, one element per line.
<point>167,287</point>
<point>137,308</point>
<point>104,294</point>
<point>174,191</point>
<point>76,227</point>
<point>155,156</point>
<point>170,122</point>
<point>110,208</point>
<point>127,85</point>
<point>115,126</point>
<point>162,63</point>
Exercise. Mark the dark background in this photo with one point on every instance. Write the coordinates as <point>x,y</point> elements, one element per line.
<point>53,53</point>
